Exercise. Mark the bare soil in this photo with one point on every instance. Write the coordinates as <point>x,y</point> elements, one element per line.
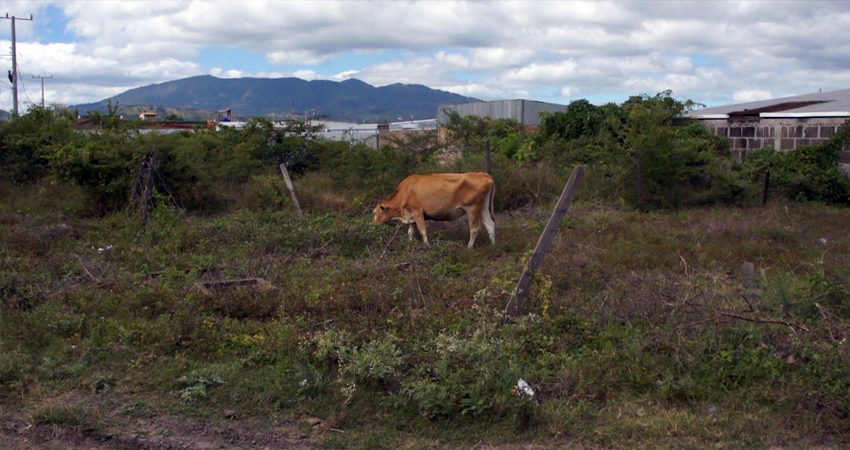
<point>158,433</point>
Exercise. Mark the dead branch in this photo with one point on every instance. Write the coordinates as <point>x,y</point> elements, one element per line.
<point>323,323</point>
<point>699,322</point>
<point>776,322</point>
<point>386,247</point>
<point>827,321</point>
<point>744,296</point>
<point>208,286</point>
<point>86,270</point>
<point>685,265</point>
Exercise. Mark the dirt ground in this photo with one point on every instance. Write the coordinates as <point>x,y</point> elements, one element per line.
<point>159,433</point>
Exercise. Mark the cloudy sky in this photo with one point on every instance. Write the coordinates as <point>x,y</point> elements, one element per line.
<point>712,52</point>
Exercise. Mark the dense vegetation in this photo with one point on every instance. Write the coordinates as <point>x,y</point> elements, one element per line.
<point>638,332</point>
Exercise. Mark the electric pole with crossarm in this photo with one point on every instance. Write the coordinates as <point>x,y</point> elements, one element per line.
<point>14,65</point>
<point>42,87</point>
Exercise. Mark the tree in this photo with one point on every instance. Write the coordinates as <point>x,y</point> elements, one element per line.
<point>109,121</point>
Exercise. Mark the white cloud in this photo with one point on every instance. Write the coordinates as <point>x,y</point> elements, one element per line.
<point>547,73</point>
<point>567,92</point>
<point>264,74</point>
<point>344,75</point>
<point>499,57</point>
<point>751,95</point>
<point>297,57</point>
<point>454,60</point>
<point>308,75</point>
<point>232,73</point>
<point>482,91</point>
<point>715,51</point>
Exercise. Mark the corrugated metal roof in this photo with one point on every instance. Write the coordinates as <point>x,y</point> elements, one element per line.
<point>819,104</point>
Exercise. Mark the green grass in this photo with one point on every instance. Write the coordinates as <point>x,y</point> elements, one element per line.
<point>393,344</point>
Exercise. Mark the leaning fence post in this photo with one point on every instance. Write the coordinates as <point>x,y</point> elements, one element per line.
<point>750,292</point>
<point>639,180</point>
<point>521,290</point>
<point>766,187</point>
<point>487,162</point>
<point>143,187</point>
<point>291,189</point>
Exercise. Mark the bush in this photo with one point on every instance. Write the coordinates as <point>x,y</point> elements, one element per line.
<point>807,173</point>
<point>26,142</point>
<point>204,171</point>
<point>681,163</point>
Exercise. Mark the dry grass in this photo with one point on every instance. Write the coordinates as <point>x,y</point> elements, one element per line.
<point>636,334</point>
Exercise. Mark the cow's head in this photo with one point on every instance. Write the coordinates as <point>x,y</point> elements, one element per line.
<point>381,214</point>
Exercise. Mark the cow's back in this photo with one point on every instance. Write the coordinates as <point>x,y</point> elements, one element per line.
<point>440,194</point>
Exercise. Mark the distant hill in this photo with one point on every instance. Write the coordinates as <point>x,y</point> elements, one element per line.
<point>5,116</point>
<point>162,112</point>
<point>351,100</point>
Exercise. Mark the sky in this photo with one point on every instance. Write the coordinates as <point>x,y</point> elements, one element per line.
<point>711,52</point>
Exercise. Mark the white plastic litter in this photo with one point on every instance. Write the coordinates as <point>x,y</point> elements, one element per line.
<point>522,386</point>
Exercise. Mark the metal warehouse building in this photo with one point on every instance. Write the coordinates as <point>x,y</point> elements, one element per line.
<point>526,111</point>
<point>783,123</point>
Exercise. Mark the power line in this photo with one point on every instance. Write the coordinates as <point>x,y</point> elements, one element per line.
<point>26,94</point>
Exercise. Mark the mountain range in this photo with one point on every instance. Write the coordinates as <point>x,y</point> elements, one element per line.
<point>350,100</point>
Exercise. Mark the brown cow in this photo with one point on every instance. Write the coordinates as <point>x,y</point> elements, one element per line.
<point>441,196</point>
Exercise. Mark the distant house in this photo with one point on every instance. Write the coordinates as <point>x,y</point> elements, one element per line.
<point>782,123</point>
<point>147,115</point>
<point>224,115</point>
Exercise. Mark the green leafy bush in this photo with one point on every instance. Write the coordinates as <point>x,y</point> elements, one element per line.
<point>807,173</point>
<point>26,143</point>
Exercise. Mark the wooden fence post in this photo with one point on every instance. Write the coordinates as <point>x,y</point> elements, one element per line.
<point>143,187</point>
<point>487,161</point>
<point>750,293</point>
<point>521,290</point>
<point>766,187</point>
<point>291,189</point>
<point>639,180</point>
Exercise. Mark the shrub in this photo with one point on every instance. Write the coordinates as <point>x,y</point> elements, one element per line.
<point>807,173</point>
<point>26,142</point>
<point>681,163</point>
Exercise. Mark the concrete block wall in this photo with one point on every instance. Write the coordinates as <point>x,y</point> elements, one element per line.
<point>746,135</point>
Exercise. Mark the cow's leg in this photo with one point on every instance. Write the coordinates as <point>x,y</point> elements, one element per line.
<point>487,217</point>
<point>474,214</point>
<point>419,218</point>
<point>410,231</point>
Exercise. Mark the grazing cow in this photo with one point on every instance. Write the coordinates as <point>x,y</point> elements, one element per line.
<point>441,196</point>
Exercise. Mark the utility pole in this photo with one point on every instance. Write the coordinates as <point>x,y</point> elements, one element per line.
<point>42,87</point>
<point>14,65</point>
